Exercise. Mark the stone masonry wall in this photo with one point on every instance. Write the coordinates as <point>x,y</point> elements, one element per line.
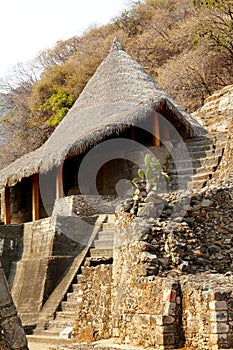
<point>208,311</point>
<point>186,251</point>
<point>171,283</point>
<point>216,113</point>
<point>11,248</point>
<point>146,308</point>
<point>47,253</point>
<point>12,335</point>
<point>93,320</point>
<point>187,232</point>
<point>216,116</point>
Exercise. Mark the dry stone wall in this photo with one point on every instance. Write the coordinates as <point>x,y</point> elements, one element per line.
<point>11,248</point>
<point>172,275</point>
<point>48,250</point>
<point>12,335</point>
<point>190,245</point>
<point>216,116</point>
<point>93,321</point>
<point>189,233</point>
<point>216,113</point>
<point>207,311</point>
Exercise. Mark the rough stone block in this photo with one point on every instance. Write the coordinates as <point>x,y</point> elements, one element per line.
<point>218,305</point>
<point>4,291</point>
<point>14,333</point>
<point>66,333</point>
<point>7,311</point>
<point>170,309</point>
<point>170,328</point>
<point>169,295</point>
<point>219,327</point>
<point>216,338</point>
<point>162,320</point>
<point>218,316</point>
<point>165,339</point>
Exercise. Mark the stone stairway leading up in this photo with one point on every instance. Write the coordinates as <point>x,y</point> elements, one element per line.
<point>205,155</point>
<point>65,315</point>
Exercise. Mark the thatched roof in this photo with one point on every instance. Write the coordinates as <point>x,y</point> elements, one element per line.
<point>119,94</point>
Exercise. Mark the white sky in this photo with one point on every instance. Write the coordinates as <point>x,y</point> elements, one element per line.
<point>29,26</point>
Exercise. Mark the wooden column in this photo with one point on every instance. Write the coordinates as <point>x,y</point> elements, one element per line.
<point>59,182</point>
<point>35,198</point>
<point>156,140</point>
<point>7,219</point>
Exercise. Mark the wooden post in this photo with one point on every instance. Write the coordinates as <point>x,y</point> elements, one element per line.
<point>156,138</point>
<point>35,198</point>
<point>7,219</point>
<point>59,182</point>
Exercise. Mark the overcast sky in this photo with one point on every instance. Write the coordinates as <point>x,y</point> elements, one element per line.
<point>29,26</point>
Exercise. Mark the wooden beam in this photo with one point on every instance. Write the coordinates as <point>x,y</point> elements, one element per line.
<point>7,219</point>
<point>156,138</point>
<point>35,197</point>
<point>59,182</point>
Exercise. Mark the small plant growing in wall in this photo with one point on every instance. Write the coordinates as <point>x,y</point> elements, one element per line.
<point>149,178</point>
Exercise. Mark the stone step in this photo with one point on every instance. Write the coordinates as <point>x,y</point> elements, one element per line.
<point>47,339</point>
<point>197,185</point>
<point>194,171</point>
<point>186,178</point>
<point>71,297</point>
<point>103,252</point>
<point>76,287</point>
<point>104,243</point>
<point>199,148</point>
<point>108,229</point>
<point>108,225</point>
<point>67,306</point>
<point>198,140</point>
<point>197,154</point>
<point>106,235</point>
<point>60,324</point>
<point>53,332</point>
<point>66,315</point>
<point>207,161</point>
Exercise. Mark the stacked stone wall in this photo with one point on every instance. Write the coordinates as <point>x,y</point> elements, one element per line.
<point>187,251</point>
<point>93,321</point>
<point>11,248</point>
<point>12,335</point>
<point>47,253</point>
<point>208,311</point>
<point>216,116</point>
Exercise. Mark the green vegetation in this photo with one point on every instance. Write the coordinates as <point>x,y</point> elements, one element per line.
<point>186,45</point>
<point>149,178</point>
<point>58,104</point>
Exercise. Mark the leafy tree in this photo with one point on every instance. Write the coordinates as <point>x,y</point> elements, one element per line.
<point>58,104</point>
<point>218,27</point>
<point>187,48</point>
<point>62,51</point>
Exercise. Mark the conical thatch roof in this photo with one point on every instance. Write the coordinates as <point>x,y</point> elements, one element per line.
<point>119,94</point>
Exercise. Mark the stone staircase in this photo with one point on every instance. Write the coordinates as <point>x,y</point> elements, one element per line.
<point>103,245</point>
<point>64,317</point>
<point>205,155</point>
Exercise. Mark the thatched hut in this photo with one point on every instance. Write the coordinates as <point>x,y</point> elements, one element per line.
<point>120,101</point>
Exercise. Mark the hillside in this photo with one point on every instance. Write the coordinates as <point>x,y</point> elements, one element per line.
<point>185,45</point>
<point>4,109</point>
